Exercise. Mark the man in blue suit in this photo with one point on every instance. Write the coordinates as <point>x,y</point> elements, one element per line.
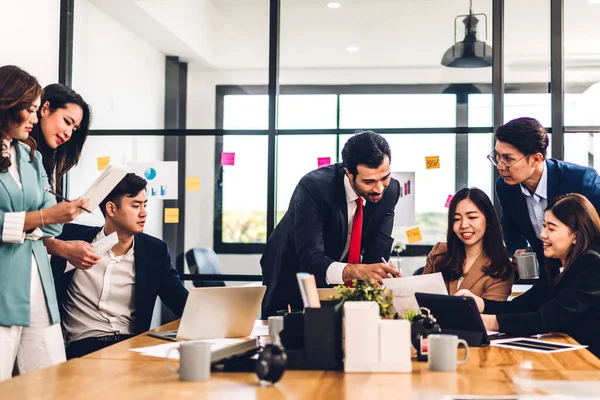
<point>338,225</point>
<point>114,299</point>
<point>529,181</point>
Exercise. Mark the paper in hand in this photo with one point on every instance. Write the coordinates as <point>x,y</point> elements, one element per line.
<point>104,184</point>
<point>100,247</point>
<point>105,244</point>
<point>404,290</point>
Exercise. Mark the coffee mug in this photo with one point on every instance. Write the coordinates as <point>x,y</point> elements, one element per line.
<point>275,327</point>
<point>441,353</point>
<point>527,265</point>
<point>194,361</point>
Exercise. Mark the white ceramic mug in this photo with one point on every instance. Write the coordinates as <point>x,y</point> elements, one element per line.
<point>194,361</point>
<point>527,265</point>
<point>442,350</point>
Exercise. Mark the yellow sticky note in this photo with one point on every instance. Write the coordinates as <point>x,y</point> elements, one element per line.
<point>192,184</point>
<point>414,235</point>
<point>171,215</point>
<point>432,162</point>
<point>103,162</point>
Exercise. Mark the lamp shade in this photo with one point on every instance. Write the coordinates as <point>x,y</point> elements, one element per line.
<point>471,52</point>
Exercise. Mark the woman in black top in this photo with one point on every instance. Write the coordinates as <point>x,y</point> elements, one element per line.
<point>568,301</point>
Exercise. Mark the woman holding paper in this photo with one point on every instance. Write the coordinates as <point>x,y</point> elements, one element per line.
<point>568,300</point>
<point>64,123</point>
<point>29,328</point>
<point>474,256</point>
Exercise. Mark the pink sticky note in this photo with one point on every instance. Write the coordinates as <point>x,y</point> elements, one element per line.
<point>227,158</point>
<point>448,200</point>
<point>323,161</point>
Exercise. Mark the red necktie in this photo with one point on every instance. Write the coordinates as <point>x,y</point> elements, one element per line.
<point>355,236</point>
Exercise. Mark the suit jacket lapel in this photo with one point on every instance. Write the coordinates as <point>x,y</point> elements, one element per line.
<point>141,273</point>
<point>522,213</point>
<point>553,179</point>
<point>342,210</point>
<point>475,272</point>
<point>16,194</point>
<point>31,195</point>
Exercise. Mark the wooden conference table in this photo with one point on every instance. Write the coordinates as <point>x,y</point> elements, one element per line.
<point>117,373</point>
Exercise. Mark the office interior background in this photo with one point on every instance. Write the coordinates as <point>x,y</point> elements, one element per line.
<point>282,83</point>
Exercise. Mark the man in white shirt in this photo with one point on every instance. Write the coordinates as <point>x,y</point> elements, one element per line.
<point>114,299</point>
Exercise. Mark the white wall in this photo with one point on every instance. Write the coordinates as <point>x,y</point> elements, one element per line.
<point>30,31</point>
<point>122,77</point>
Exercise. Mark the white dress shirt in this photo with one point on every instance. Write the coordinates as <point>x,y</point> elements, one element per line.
<point>100,300</point>
<point>335,269</point>
<point>537,202</point>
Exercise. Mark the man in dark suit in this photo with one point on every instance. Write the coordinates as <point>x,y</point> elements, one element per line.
<point>114,299</point>
<point>337,226</point>
<point>529,181</point>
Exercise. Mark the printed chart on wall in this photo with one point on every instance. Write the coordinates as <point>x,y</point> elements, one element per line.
<point>161,177</point>
<point>405,209</point>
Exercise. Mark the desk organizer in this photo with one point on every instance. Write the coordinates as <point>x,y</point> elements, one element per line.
<point>372,344</point>
<point>313,339</point>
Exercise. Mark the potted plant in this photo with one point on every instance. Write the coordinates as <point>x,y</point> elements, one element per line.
<point>369,291</point>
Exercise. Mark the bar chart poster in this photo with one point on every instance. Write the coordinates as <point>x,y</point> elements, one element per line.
<point>405,209</point>
<point>161,178</point>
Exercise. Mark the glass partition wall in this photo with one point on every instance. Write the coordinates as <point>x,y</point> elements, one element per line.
<point>268,90</point>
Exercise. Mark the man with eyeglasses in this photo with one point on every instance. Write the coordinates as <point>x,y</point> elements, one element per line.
<point>529,181</point>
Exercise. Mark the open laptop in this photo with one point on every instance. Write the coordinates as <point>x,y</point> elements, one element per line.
<point>217,312</point>
<point>457,315</point>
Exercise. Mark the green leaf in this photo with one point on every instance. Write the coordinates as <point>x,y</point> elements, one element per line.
<point>368,291</point>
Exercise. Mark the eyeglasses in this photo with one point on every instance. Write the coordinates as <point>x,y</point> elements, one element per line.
<point>495,160</point>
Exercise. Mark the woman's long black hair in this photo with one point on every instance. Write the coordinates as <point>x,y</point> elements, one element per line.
<point>57,162</point>
<point>451,262</point>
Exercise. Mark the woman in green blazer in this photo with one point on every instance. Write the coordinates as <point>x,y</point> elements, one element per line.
<point>29,329</point>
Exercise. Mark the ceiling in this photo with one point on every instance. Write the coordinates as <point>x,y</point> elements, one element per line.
<point>233,34</point>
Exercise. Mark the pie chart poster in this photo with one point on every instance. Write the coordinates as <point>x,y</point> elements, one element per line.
<point>161,177</point>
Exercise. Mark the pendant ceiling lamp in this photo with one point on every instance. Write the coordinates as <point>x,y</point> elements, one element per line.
<point>470,52</point>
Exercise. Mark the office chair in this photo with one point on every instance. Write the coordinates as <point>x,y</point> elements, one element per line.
<point>203,260</point>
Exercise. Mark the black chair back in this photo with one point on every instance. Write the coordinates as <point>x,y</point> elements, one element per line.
<point>203,260</point>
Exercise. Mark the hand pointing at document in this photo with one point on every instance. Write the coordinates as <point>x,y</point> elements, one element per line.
<point>372,272</point>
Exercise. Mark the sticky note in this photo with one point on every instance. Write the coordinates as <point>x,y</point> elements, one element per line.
<point>432,162</point>
<point>448,200</point>
<point>103,162</point>
<point>227,158</point>
<point>323,161</point>
<point>171,215</point>
<point>192,184</point>
<point>414,235</point>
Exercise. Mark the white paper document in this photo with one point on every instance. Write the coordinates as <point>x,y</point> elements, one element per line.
<point>100,247</point>
<point>161,349</point>
<point>104,184</point>
<point>259,329</point>
<point>404,289</point>
<point>105,244</point>
<point>535,345</point>
<point>161,176</point>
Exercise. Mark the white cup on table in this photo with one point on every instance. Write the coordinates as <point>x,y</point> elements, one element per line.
<point>194,361</point>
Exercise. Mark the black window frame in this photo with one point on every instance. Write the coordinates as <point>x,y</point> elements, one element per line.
<point>462,131</point>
